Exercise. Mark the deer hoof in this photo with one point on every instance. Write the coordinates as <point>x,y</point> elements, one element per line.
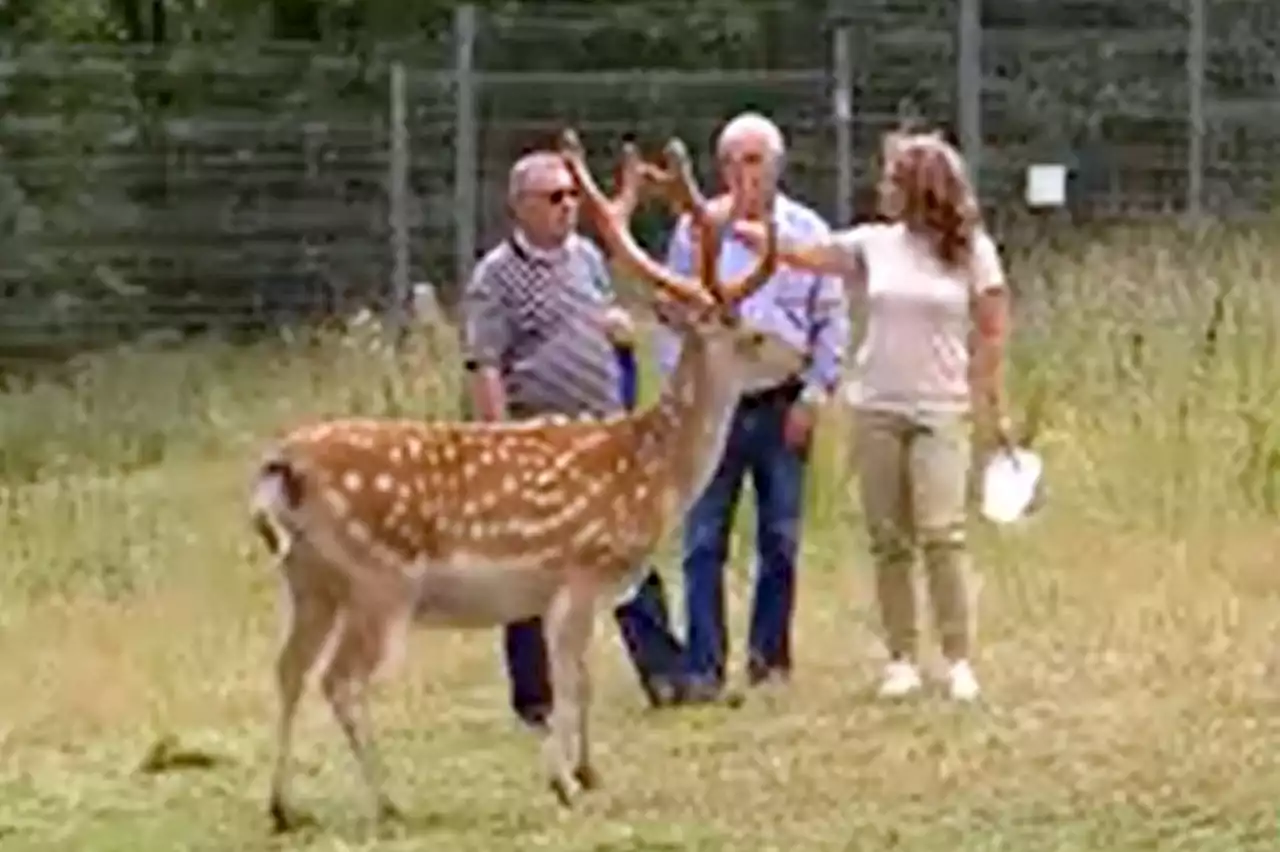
<point>566,789</point>
<point>285,819</point>
<point>389,821</point>
<point>588,777</point>
<point>389,813</point>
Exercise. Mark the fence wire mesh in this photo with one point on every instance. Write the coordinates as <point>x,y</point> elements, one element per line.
<point>213,185</point>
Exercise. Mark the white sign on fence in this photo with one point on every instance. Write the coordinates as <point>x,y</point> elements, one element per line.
<point>1046,185</point>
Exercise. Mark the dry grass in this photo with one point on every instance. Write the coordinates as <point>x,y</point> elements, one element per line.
<point>1127,632</point>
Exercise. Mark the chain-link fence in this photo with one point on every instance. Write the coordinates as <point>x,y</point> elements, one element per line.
<point>210,185</point>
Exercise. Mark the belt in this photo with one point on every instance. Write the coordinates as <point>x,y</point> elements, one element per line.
<point>784,394</point>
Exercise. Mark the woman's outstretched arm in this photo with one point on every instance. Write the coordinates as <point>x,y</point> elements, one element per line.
<point>838,253</point>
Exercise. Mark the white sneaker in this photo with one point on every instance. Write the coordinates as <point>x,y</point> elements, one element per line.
<point>900,679</point>
<point>961,682</point>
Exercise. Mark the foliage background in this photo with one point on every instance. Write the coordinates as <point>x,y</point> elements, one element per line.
<point>176,167</point>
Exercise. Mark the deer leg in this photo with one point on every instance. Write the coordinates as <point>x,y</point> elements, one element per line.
<point>359,654</point>
<point>568,625</point>
<point>584,769</point>
<point>310,624</point>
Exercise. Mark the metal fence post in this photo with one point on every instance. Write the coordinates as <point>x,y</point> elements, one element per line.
<point>1195,109</point>
<point>969,85</point>
<point>842,117</point>
<point>465,142</point>
<point>398,190</point>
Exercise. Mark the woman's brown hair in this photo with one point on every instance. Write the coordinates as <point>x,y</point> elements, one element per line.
<point>923,184</point>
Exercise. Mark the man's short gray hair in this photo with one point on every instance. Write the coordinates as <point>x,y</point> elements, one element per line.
<point>752,124</point>
<point>518,178</point>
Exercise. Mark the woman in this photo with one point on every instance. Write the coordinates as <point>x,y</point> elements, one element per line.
<point>934,345</point>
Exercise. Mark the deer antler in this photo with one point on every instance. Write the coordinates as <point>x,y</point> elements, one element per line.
<point>686,196</point>
<point>613,217</point>
<point>632,176</point>
<point>682,192</point>
<point>685,191</point>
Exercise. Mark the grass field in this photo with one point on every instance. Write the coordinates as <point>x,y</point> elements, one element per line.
<point>1127,632</point>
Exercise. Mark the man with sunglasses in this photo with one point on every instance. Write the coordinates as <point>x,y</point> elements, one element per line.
<point>544,336</point>
<point>770,432</point>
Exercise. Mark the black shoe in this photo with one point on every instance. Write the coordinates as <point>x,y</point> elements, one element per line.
<point>700,690</point>
<point>760,674</point>
<point>534,718</point>
<point>662,691</point>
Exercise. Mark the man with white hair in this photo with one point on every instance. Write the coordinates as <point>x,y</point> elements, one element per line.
<point>770,432</point>
<point>544,336</point>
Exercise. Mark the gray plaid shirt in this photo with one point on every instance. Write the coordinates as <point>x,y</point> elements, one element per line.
<point>537,316</point>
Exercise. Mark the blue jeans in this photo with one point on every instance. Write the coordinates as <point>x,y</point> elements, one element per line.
<point>643,621</point>
<point>755,445</point>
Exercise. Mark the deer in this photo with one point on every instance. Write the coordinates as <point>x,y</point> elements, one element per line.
<point>381,525</point>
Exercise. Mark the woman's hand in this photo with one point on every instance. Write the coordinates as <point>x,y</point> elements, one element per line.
<point>722,209</point>
<point>751,234</point>
<point>1002,432</point>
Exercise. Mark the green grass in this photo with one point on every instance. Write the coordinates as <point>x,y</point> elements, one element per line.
<point>1127,638</point>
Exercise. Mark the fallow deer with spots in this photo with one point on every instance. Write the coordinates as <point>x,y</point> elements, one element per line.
<point>378,525</point>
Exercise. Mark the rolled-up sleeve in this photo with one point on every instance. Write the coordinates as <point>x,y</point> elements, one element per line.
<point>830,333</point>
<point>988,270</point>
<point>598,267</point>
<point>829,323</point>
<point>487,327</point>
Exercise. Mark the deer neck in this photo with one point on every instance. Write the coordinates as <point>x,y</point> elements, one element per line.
<point>689,426</point>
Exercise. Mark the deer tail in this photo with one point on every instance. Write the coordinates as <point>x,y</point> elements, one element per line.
<point>277,494</point>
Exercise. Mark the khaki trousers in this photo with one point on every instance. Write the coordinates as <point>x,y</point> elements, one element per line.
<point>913,474</point>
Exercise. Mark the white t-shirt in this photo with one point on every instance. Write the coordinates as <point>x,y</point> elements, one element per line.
<point>914,357</point>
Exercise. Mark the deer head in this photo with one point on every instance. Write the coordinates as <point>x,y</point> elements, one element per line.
<point>702,308</point>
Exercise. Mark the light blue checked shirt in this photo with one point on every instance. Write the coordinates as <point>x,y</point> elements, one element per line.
<point>807,310</point>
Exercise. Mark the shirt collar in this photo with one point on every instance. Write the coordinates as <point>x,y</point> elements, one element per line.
<point>542,255</point>
<point>780,207</point>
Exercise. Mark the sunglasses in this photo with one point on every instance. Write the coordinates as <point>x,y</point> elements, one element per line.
<point>558,196</point>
